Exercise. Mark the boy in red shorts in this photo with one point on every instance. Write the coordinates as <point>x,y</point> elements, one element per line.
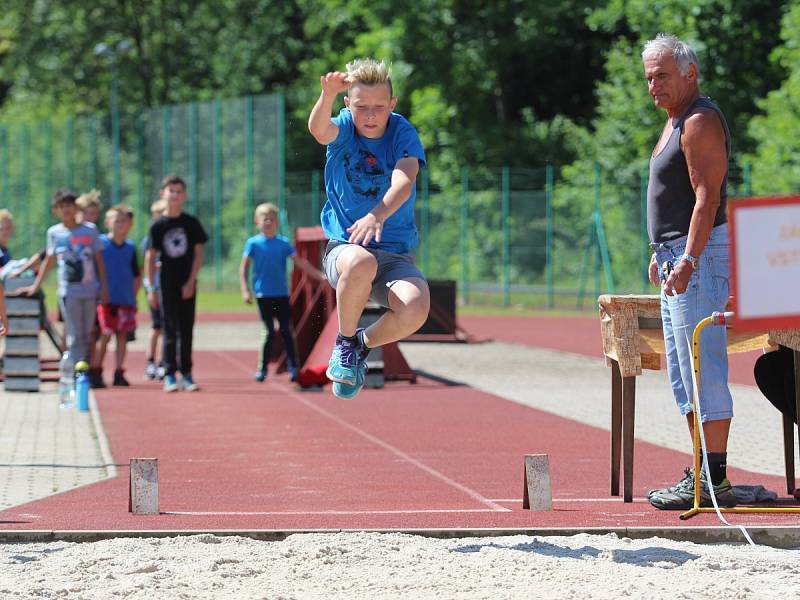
<point>118,317</point>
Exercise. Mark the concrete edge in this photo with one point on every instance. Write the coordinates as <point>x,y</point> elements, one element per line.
<point>102,438</point>
<point>776,536</point>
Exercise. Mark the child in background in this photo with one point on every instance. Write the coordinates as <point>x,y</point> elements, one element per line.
<point>118,316</point>
<point>6,231</point>
<point>88,207</point>
<point>79,252</point>
<point>268,253</point>
<point>154,368</point>
<point>179,239</point>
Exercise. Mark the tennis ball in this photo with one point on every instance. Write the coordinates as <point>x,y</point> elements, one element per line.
<point>81,365</point>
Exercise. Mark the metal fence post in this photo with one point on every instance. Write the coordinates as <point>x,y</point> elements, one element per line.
<point>425,222</point>
<point>281,120</point>
<point>464,240</point>
<point>748,181</point>
<point>549,235</point>
<point>140,167</point>
<point>25,175</point>
<point>47,175</point>
<point>92,152</point>
<point>166,142</point>
<point>315,179</point>
<point>505,202</point>
<point>69,165</point>
<point>643,237</point>
<point>218,194</point>
<point>249,204</point>
<point>193,161</point>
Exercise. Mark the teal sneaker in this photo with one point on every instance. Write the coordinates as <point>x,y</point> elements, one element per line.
<point>681,496</point>
<point>343,365</point>
<point>347,391</point>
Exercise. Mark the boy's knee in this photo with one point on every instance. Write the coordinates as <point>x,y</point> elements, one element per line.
<point>414,309</point>
<point>357,263</point>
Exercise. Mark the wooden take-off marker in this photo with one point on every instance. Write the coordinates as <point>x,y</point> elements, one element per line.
<point>143,490</point>
<point>537,494</point>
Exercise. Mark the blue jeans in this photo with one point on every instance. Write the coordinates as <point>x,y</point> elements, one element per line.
<point>706,292</point>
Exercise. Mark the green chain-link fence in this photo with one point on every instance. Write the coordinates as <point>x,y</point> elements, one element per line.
<point>509,236</point>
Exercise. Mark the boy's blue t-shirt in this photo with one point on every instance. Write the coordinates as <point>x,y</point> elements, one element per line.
<point>269,264</point>
<point>121,269</point>
<point>358,172</point>
<point>74,251</point>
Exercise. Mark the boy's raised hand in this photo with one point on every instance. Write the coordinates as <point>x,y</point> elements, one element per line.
<point>334,83</point>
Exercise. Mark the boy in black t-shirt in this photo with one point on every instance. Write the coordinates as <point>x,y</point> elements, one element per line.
<point>178,239</point>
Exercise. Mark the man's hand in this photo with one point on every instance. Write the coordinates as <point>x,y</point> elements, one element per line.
<point>652,270</point>
<point>247,296</point>
<point>678,280</point>
<point>334,83</point>
<point>187,290</point>
<point>365,229</point>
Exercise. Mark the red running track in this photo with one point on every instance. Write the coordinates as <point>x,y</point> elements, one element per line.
<point>243,455</point>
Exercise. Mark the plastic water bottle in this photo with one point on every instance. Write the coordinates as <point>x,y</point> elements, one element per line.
<point>81,388</point>
<point>66,386</point>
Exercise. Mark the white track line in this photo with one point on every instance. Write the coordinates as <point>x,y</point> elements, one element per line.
<point>279,513</point>
<point>609,499</point>
<point>396,451</point>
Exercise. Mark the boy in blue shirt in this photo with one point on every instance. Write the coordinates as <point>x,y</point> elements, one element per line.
<point>118,317</point>
<point>268,253</point>
<point>372,160</point>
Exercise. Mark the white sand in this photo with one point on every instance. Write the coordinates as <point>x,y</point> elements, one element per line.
<point>374,566</point>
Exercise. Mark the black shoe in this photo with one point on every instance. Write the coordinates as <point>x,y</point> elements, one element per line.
<point>96,379</point>
<point>119,378</point>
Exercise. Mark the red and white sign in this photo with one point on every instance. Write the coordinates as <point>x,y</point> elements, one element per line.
<point>765,262</point>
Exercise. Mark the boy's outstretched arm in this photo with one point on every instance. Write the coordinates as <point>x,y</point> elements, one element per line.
<point>319,122</point>
<point>369,226</point>
<point>302,264</point>
<point>244,266</point>
<point>37,283</point>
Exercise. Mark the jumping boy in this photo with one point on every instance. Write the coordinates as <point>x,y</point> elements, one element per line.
<point>373,157</point>
<point>178,238</point>
<point>268,252</point>
<point>81,273</point>
<point>154,368</point>
<point>118,317</point>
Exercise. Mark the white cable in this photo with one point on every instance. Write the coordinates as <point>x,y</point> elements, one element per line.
<point>704,466</point>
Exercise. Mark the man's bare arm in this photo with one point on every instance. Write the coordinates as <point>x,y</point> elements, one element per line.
<point>703,144</point>
<point>319,121</point>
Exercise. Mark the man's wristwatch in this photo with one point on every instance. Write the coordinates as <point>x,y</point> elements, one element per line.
<point>692,260</point>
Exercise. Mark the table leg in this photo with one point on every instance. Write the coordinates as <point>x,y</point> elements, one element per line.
<point>788,451</point>
<point>616,425</point>
<point>628,417</point>
<point>797,409</point>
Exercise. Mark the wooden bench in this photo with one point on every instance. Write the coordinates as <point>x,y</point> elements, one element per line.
<point>633,340</point>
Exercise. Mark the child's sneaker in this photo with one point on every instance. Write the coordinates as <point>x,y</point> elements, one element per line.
<point>151,370</point>
<point>188,384</point>
<point>292,374</point>
<point>260,376</point>
<point>347,391</point>
<point>119,378</point>
<point>170,383</point>
<point>161,372</point>
<point>345,358</point>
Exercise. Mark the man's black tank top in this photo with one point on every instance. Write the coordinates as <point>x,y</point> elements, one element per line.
<point>670,197</point>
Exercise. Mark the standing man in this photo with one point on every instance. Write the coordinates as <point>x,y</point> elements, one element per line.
<point>688,230</point>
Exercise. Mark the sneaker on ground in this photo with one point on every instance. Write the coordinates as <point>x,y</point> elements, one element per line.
<point>260,375</point>
<point>682,498</point>
<point>161,372</point>
<point>119,378</point>
<point>151,370</point>
<point>96,379</point>
<point>188,384</point>
<point>343,364</point>
<point>170,383</point>
<point>292,374</point>
<point>347,391</point>
<point>688,475</point>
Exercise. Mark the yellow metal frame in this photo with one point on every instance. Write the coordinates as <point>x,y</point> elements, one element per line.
<point>715,319</point>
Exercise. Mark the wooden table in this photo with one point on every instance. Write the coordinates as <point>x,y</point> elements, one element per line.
<point>633,340</point>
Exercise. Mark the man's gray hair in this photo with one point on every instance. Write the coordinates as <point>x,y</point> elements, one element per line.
<point>666,44</point>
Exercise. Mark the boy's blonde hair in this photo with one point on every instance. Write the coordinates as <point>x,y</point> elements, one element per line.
<point>369,72</point>
<point>120,208</point>
<point>88,199</point>
<point>267,208</point>
<point>158,207</point>
<point>5,215</point>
